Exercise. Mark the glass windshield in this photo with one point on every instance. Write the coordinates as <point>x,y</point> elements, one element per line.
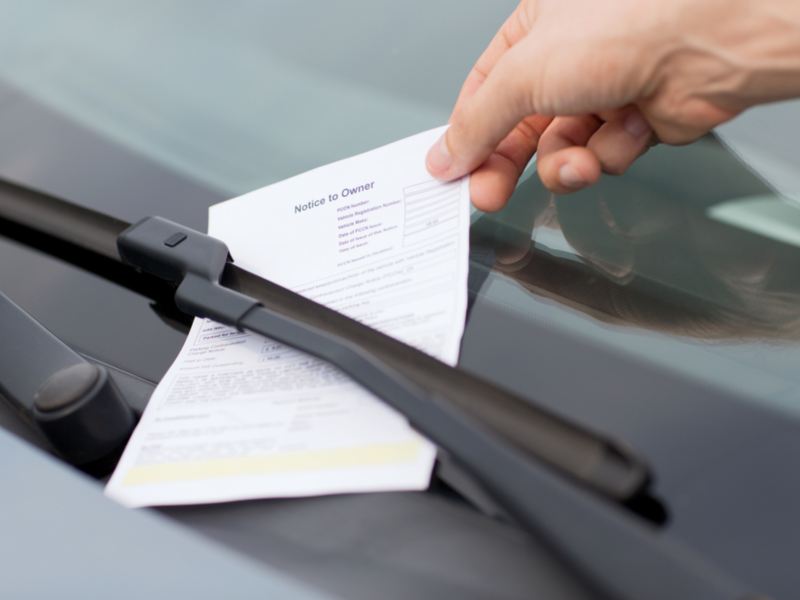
<point>689,261</point>
<point>238,95</point>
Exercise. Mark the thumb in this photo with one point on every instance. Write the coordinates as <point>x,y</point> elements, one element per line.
<point>484,119</point>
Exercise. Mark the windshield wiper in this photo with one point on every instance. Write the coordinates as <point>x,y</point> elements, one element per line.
<point>596,461</point>
<point>502,440</point>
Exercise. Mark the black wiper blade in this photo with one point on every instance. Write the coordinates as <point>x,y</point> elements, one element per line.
<point>596,461</point>
<point>65,221</point>
<point>618,553</point>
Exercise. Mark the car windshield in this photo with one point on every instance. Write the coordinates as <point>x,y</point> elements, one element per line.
<point>688,262</point>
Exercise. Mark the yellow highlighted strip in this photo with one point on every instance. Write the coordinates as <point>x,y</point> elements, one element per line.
<point>308,460</point>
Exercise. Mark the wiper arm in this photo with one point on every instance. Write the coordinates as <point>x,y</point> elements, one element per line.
<point>596,461</point>
<point>621,555</point>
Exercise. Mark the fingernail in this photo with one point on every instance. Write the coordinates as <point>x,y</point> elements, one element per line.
<point>439,158</point>
<point>636,125</point>
<point>569,177</point>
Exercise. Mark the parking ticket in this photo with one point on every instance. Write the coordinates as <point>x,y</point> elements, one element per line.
<point>239,416</point>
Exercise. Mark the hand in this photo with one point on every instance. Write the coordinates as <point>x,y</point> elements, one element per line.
<point>592,85</point>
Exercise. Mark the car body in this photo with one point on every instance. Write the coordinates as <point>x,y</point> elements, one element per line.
<point>659,307</point>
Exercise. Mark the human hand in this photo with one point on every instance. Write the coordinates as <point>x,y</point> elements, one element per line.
<point>592,85</point>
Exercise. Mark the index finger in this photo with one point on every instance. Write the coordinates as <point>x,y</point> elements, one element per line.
<point>515,27</point>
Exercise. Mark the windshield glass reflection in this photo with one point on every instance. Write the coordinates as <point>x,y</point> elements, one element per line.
<point>711,254</point>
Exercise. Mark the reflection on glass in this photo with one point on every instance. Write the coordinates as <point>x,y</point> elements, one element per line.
<point>655,251</point>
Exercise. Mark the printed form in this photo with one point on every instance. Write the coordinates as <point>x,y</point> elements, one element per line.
<point>238,416</point>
